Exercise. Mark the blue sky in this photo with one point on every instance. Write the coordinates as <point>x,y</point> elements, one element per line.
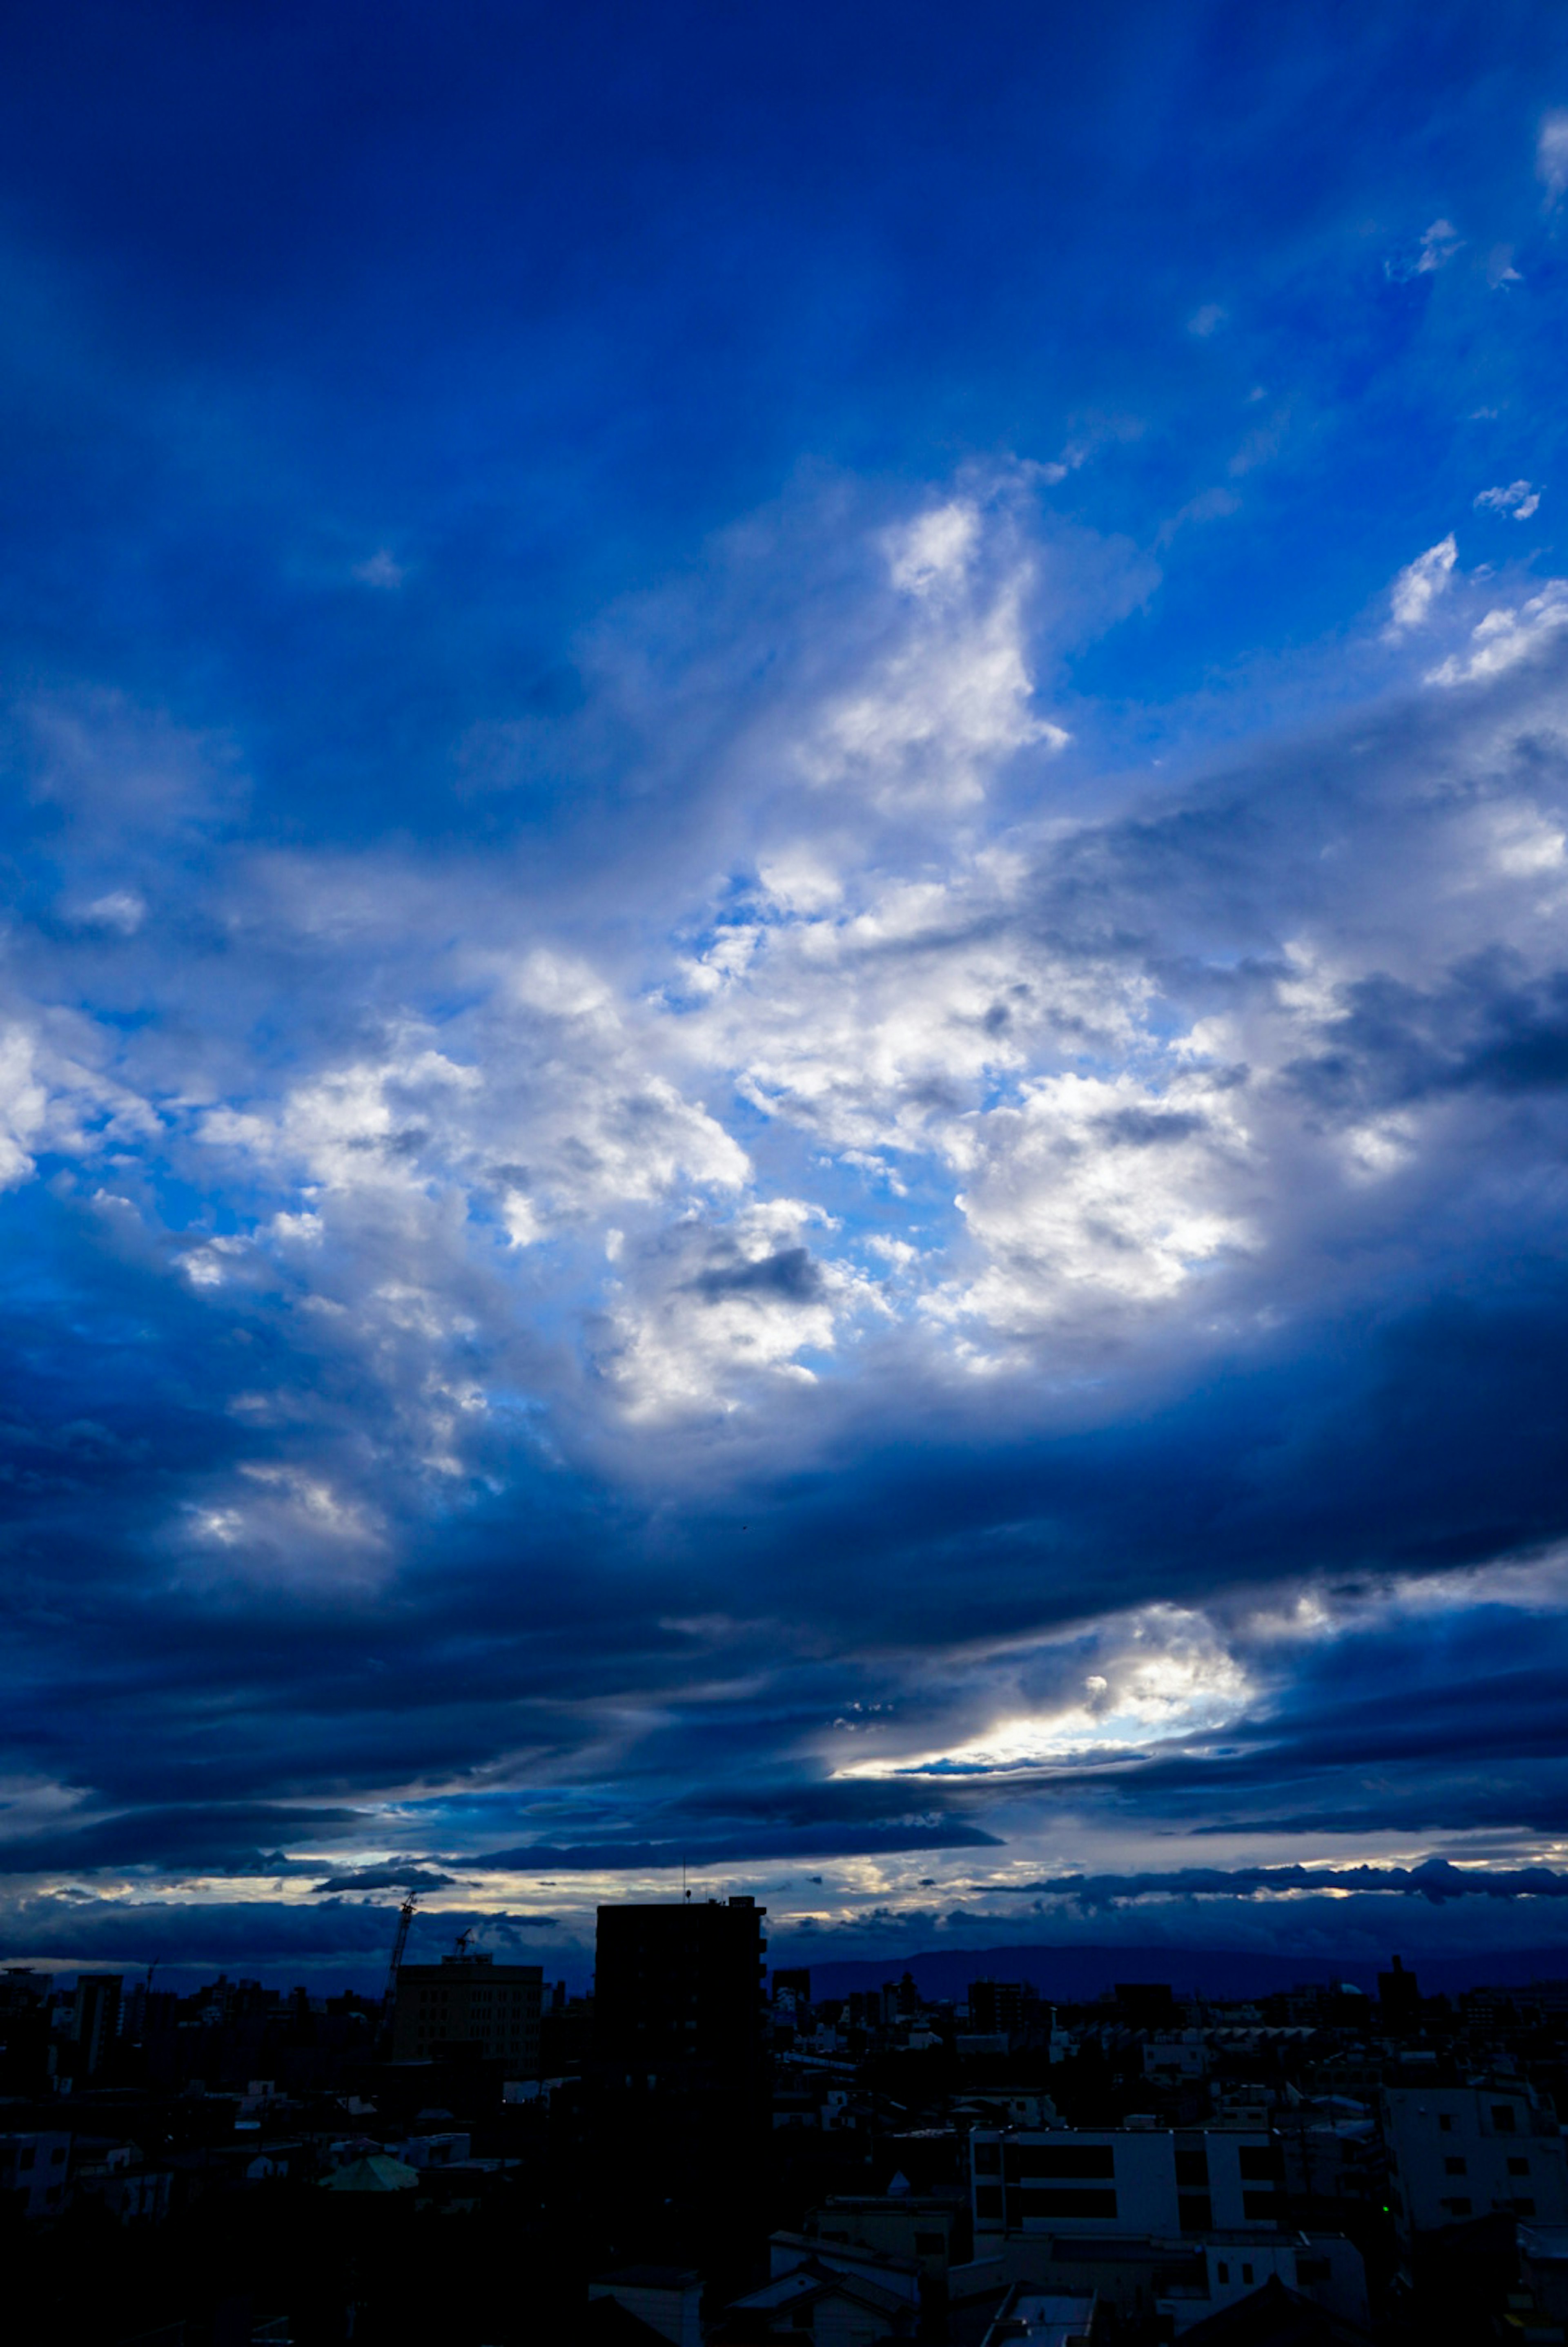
<point>785,1016</point>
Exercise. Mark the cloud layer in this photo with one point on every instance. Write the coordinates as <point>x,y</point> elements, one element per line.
<point>822,1140</point>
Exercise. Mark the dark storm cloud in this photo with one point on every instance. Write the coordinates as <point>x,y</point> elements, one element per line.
<point>743,1845</point>
<point>790,1274</point>
<point>1436,1880</point>
<point>386,1878</point>
<point>204,1840</point>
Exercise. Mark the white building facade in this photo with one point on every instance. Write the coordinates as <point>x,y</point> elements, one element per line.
<point>1459,2152</point>
<point>1155,2180</point>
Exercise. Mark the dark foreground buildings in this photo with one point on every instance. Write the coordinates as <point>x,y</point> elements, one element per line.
<point>677,2116</point>
<point>672,2159</point>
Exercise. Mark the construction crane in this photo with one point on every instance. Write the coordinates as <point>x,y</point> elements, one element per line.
<point>389,1994</point>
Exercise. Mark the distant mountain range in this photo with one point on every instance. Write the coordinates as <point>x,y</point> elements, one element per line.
<point>1075,1974</point>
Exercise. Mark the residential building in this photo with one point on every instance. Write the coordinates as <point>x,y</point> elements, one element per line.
<point>35,2169</point>
<point>1461,2151</point>
<point>836,2309</point>
<point>1155,2180</point>
<point>469,2004</point>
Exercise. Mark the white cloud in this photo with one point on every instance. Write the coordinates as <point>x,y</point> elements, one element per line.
<point>1507,636</point>
<point>1436,249</point>
<point>24,1106</point>
<point>1421,583</point>
<point>381,570</point>
<point>122,910</point>
<point>1438,245</point>
<point>712,1308</point>
<point>1552,153</point>
<point>1159,1672</point>
<point>1203,322</point>
<point>581,1166</point>
<point>1519,498</point>
<point>1102,1187</point>
<point>949,702</point>
<point>933,554</point>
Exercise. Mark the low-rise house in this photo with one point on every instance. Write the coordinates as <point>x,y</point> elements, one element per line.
<point>1544,2268</point>
<point>1144,2280</point>
<point>817,2304</point>
<point>116,2176</point>
<point>425,2151</point>
<point>667,2299</point>
<point>1325,2270</point>
<point>927,2229</point>
<point>373,2172</point>
<point>786,2252</point>
<point>1276,2316</point>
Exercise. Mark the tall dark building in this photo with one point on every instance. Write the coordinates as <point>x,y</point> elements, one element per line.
<point>680,2075</point>
<point>1399,1996</point>
<point>94,2024</point>
<point>679,1988</point>
<point>998,2006</point>
<point>468,2004</point>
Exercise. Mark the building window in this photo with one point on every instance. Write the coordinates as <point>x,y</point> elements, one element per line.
<point>1518,2166</point>
<point>1524,2207</point>
<point>1453,2168</point>
<point>1066,2200</point>
<point>1445,2122</point>
<point>1223,2271</point>
<point>1456,2208</point>
<point>1060,2159</point>
<point>1247,2273</point>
